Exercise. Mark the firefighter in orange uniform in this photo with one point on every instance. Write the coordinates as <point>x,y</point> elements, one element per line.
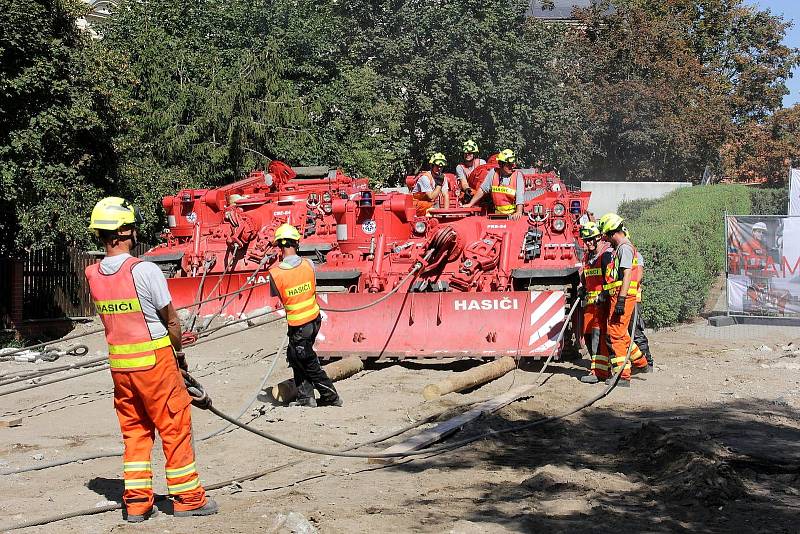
<point>293,281</point>
<point>622,278</point>
<point>595,312</point>
<point>506,185</point>
<point>430,186</point>
<point>143,333</point>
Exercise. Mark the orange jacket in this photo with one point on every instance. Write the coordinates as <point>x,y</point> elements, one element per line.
<point>297,289</point>
<point>130,345</point>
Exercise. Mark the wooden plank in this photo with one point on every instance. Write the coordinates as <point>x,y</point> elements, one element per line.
<point>445,428</point>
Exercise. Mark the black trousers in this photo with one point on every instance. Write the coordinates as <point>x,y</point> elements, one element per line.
<point>308,374</point>
<point>639,336</point>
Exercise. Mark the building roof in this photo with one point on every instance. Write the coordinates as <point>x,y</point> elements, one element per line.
<point>561,10</point>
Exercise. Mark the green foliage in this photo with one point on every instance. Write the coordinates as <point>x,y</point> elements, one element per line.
<point>189,94</point>
<point>57,123</point>
<point>769,201</point>
<point>631,209</point>
<point>682,241</point>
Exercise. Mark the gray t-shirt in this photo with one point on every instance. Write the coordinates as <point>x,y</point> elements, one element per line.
<point>486,186</point>
<point>625,255</point>
<point>425,185</point>
<point>151,287</point>
<point>462,171</point>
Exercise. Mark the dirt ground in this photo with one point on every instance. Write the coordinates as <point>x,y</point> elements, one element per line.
<point>708,443</point>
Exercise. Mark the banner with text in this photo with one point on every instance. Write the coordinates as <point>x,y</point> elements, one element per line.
<point>763,266</point>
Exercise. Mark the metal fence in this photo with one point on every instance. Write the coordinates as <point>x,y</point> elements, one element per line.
<point>53,284</point>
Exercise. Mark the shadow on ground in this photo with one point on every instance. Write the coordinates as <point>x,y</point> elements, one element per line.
<point>713,469</point>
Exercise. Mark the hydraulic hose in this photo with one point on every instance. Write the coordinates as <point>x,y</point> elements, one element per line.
<point>445,448</point>
<point>394,290</point>
<point>217,485</point>
<point>39,467</point>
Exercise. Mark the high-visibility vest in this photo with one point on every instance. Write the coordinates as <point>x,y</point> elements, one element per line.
<point>297,289</point>
<point>131,347</point>
<point>504,197</point>
<point>613,274</point>
<point>594,277</point>
<point>477,162</point>
<point>421,201</point>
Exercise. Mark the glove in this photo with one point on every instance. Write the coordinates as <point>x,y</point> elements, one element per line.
<point>181,357</point>
<point>438,180</point>
<point>198,395</point>
<point>619,309</point>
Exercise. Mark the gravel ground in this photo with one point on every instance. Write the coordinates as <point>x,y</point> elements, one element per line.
<point>708,443</point>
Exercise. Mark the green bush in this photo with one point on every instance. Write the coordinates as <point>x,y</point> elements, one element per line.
<point>682,240</point>
<point>632,209</point>
<point>769,201</point>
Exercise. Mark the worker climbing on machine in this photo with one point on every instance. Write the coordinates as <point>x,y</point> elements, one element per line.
<point>143,334</point>
<point>430,188</point>
<point>506,185</point>
<point>595,310</point>
<point>293,281</point>
<point>622,278</point>
<point>463,169</point>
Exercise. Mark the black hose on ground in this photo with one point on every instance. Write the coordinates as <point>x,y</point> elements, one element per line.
<point>224,483</point>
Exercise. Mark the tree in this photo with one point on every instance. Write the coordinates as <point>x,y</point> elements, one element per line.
<point>763,152</point>
<point>58,118</point>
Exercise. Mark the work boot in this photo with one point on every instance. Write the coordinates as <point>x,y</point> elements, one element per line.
<point>590,379</point>
<point>621,384</point>
<point>642,370</point>
<point>138,518</point>
<point>209,508</point>
<point>309,402</point>
<point>336,401</point>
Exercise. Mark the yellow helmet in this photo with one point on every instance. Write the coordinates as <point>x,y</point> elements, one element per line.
<point>287,231</point>
<point>470,147</point>
<point>507,156</point>
<point>589,230</point>
<point>438,159</point>
<point>112,213</point>
<point>610,222</point>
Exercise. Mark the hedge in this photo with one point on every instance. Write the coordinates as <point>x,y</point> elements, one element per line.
<point>682,240</point>
<point>769,201</point>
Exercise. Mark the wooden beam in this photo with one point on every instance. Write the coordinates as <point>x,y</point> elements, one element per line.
<point>445,428</point>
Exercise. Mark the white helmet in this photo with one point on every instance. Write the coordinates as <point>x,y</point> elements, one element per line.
<point>759,226</point>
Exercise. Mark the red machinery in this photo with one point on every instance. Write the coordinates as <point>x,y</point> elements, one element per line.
<point>220,238</point>
<point>484,285</point>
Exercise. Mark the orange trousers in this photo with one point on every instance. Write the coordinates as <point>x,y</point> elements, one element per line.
<point>619,339</point>
<point>156,400</point>
<point>595,322</point>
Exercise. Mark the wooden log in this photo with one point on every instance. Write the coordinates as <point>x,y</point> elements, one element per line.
<point>445,428</point>
<point>338,370</point>
<point>7,423</point>
<point>468,379</point>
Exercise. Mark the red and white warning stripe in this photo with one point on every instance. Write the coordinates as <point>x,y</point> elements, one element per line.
<point>547,316</point>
